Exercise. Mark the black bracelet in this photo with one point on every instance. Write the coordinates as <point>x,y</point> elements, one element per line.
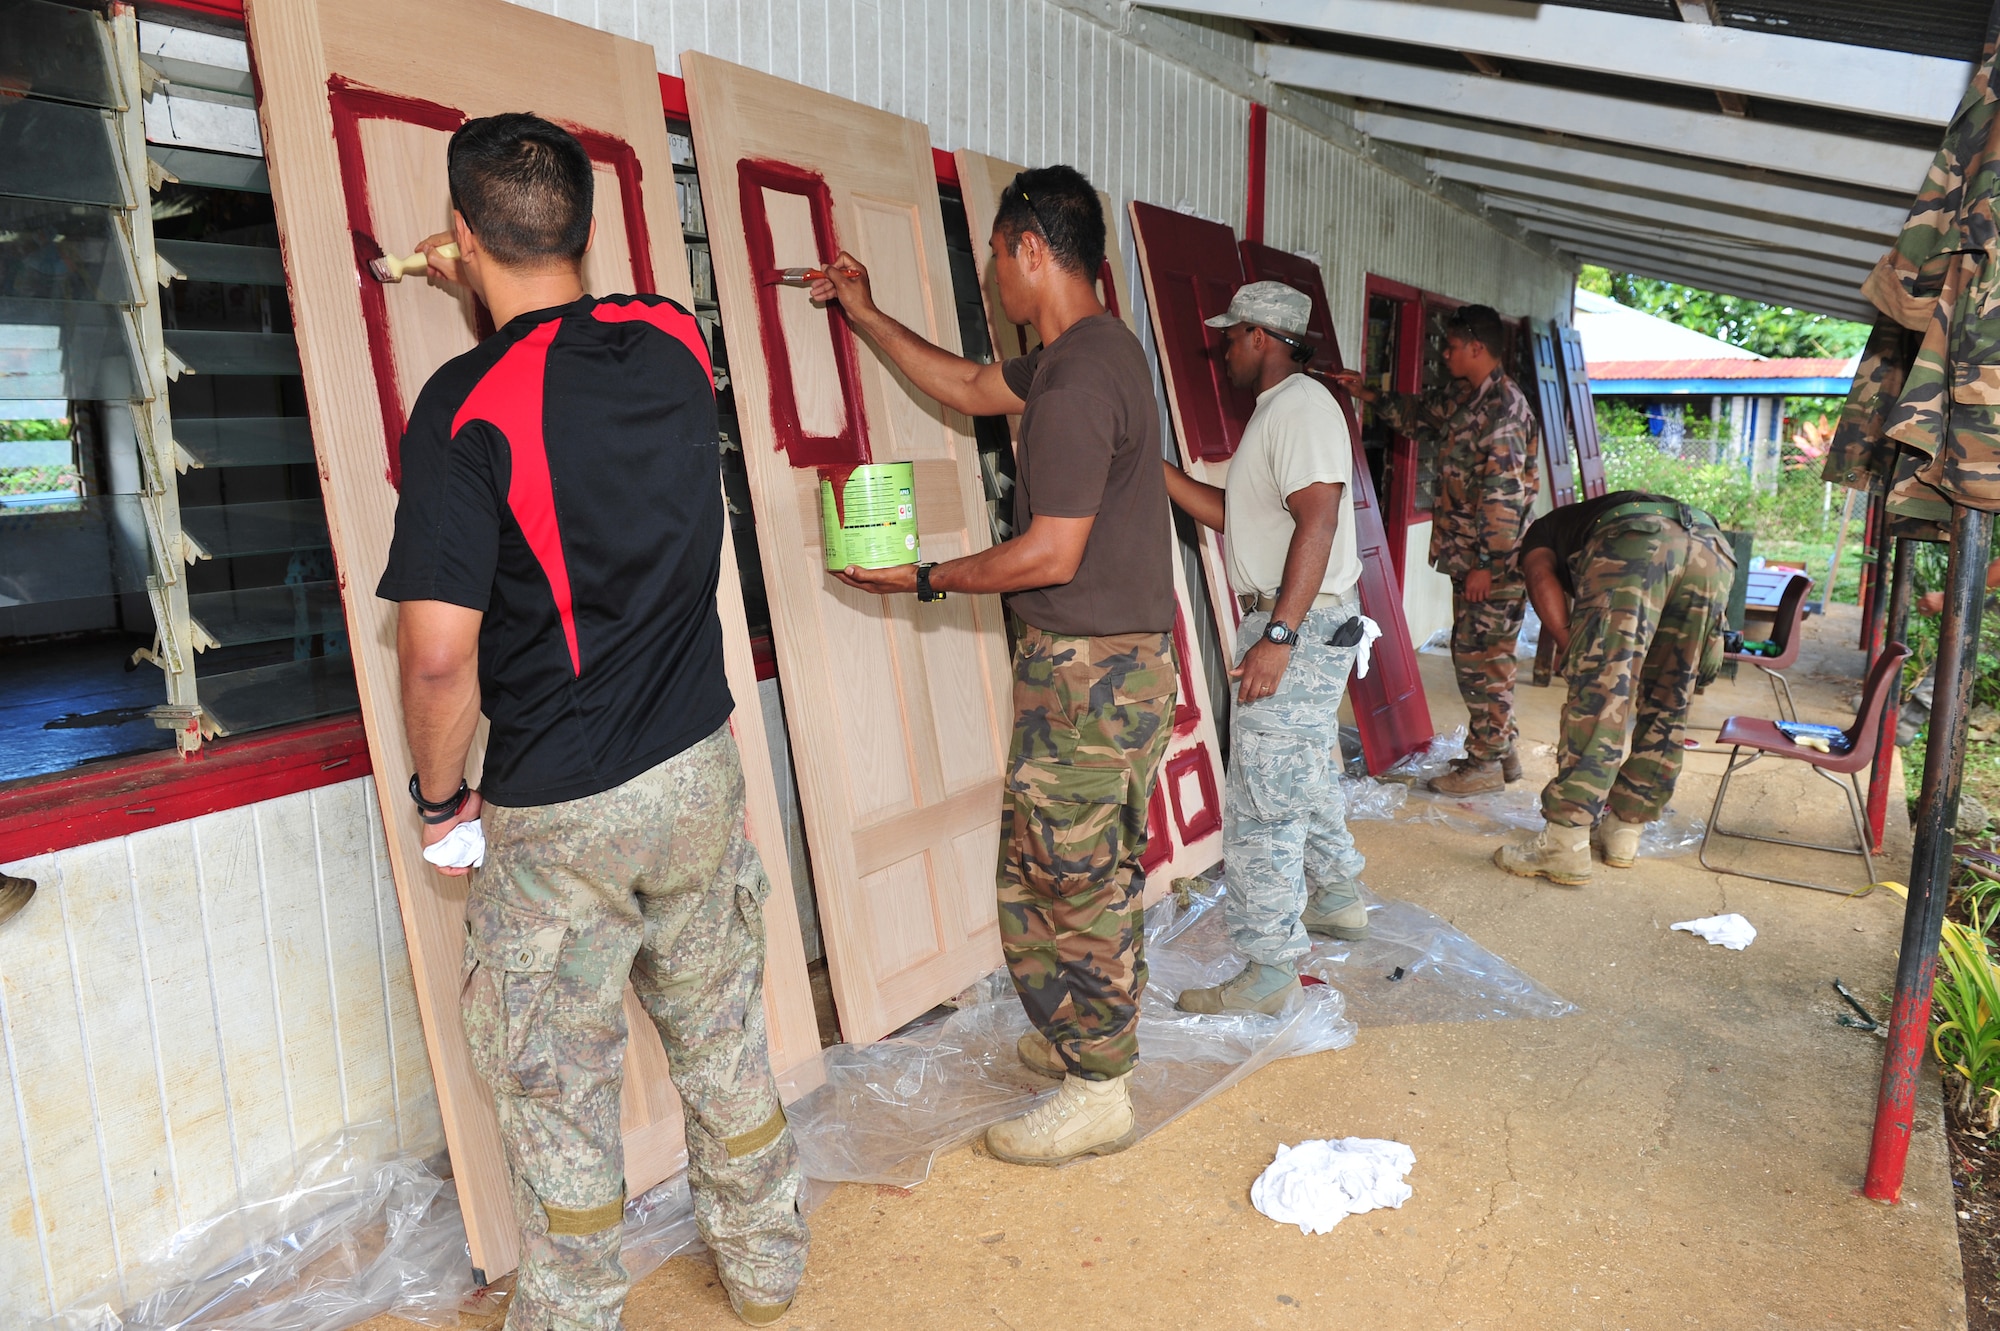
<point>925,592</point>
<point>434,812</point>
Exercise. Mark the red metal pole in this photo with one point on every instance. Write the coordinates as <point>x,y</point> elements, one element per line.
<point>1253,203</point>
<point>1880,775</point>
<point>1930,866</point>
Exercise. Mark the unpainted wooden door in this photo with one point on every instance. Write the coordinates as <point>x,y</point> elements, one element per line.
<point>899,712</point>
<point>1184,812</point>
<point>1390,709</point>
<point>355,121</point>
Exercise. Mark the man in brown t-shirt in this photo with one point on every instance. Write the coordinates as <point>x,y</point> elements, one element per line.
<point>1090,581</point>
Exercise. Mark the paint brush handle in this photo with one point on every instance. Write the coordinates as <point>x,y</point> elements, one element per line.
<point>803,277</point>
<point>397,269</point>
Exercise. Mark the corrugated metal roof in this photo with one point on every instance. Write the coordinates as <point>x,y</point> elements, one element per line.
<point>1954,29</point>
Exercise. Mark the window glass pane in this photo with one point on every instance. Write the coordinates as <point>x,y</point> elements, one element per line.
<point>58,550</point>
<point>64,251</point>
<point>200,261</point>
<point>231,531</point>
<point>64,349</point>
<point>52,151</point>
<point>269,614</point>
<point>55,51</point>
<point>208,352</point>
<point>281,694</point>
<point>246,441</point>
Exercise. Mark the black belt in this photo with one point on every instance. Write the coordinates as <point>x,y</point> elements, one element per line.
<point>1686,514</point>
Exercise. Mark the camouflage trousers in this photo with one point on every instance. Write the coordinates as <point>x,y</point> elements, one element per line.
<point>1092,717</point>
<point>1284,818</point>
<point>1483,638</point>
<point>1644,629</point>
<point>654,882</point>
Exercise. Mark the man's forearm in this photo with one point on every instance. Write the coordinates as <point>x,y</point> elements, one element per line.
<point>952,380</point>
<point>1018,565</point>
<point>440,715</point>
<point>1199,500</point>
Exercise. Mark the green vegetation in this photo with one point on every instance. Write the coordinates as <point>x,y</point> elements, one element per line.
<point>32,480</point>
<point>17,431</point>
<point>1768,330</point>
<point>1965,1003</point>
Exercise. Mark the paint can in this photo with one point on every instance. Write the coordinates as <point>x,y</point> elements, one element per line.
<point>873,522</point>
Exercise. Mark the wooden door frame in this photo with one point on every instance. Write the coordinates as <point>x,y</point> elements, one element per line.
<point>1399,506</point>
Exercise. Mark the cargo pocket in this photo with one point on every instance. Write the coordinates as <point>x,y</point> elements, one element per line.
<point>1066,818</point>
<point>745,869</point>
<point>1284,774</point>
<point>509,995</point>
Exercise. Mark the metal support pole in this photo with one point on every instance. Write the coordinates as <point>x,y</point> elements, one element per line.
<point>1879,776</point>
<point>1930,865</point>
<point>1875,592</point>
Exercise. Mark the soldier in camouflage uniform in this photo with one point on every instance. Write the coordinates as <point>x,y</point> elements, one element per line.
<point>1650,577</point>
<point>1287,518</point>
<point>1090,593</point>
<point>611,791</point>
<point>1942,281</point>
<point>1487,475</point>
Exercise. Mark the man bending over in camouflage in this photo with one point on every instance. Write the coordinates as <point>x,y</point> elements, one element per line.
<point>1650,578</point>
<point>1092,591</point>
<point>1288,519</point>
<point>1486,481</point>
<point>558,540</point>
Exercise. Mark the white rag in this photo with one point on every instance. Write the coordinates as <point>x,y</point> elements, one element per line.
<point>1317,1184</point>
<point>464,847</point>
<point>1732,931</point>
<point>1365,650</point>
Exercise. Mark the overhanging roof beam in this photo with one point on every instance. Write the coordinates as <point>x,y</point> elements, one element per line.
<point>1756,269</point>
<point>1614,247</point>
<point>1591,161</point>
<point>1835,75</point>
<point>1669,270</point>
<point>1755,232</point>
<point>1806,152</point>
<point>1841,276</point>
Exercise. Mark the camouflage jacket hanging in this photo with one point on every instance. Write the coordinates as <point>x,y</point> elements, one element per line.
<point>1942,281</point>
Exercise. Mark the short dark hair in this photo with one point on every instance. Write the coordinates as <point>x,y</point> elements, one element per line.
<point>1059,205</point>
<point>524,186</point>
<point>1481,324</point>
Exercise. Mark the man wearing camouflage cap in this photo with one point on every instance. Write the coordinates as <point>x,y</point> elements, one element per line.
<point>1287,516</point>
<point>1486,481</point>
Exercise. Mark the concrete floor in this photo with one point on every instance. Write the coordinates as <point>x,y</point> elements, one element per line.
<point>1683,1152</point>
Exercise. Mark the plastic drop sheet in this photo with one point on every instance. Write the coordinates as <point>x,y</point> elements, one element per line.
<point>1520,809</point>
<point>359,1230</point>
<point>885,1111</point>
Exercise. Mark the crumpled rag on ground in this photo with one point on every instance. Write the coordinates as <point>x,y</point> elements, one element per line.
<point>1317,1184</point>
<point>1731,931</point>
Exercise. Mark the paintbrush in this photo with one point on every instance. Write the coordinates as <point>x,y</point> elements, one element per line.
<point>802,277</point>
<point>388,268</point>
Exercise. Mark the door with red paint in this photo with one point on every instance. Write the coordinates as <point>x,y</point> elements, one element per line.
<point>899,713</point>
<point>355,122</point>
<point>1390,709</point>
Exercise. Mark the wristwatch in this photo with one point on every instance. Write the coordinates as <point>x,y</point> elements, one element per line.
<point>925,592</point>
<point>1278,633</point>
<point>434,812</point>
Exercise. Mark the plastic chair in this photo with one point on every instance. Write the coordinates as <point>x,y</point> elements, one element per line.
<point>1763,737</point>
<point>1785,633</point>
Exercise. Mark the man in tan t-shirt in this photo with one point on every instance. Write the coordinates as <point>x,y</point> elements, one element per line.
<point>1287,519</point>
<point>1090,582</point>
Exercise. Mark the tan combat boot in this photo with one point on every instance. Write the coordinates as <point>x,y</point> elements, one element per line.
<point>1557,853</point>
<point>1255,988</point>
<point>1468,776</point>
<point>1336,912</point>
<point>1510,765</point>
<point>1083,1118</point>
<point>1039,1056</point>
<point>1619,840</point>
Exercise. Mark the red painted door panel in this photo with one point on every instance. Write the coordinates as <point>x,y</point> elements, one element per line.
<point>1390,709</point>
<point>1192,270</point>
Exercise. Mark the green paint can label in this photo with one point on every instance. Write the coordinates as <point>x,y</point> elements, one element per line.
<point>874,523</point>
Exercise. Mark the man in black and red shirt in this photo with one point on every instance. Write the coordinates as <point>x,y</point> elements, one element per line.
<point>557,550</point>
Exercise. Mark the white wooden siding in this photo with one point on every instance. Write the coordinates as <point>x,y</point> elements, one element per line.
<point>183,1011</point>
